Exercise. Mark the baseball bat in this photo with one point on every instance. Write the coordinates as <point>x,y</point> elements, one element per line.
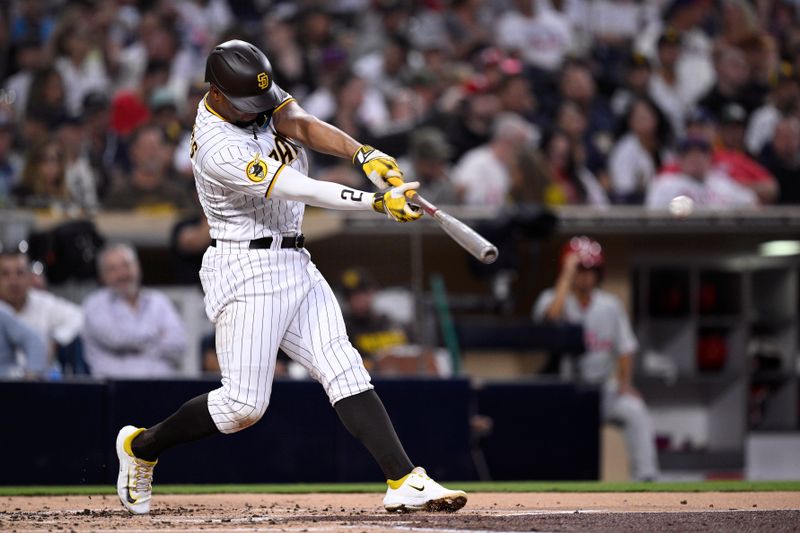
<point>468,238</point>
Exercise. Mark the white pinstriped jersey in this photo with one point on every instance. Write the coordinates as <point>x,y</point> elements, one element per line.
<point>262,300</point>
<point>234,170</point>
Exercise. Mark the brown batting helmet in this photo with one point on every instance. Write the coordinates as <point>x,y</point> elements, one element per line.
<point>243,74</point>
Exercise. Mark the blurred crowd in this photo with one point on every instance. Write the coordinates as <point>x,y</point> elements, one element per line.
<point>554,102</point>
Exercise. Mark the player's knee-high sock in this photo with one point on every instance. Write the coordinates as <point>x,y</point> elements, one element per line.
<point>365,418</point>
<point>190,422</point>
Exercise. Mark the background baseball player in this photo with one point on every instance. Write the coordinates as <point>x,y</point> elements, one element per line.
<point>610,345</point>
<point>261,289</point>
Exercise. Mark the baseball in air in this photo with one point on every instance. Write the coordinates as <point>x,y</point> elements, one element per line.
<point>681,206</point>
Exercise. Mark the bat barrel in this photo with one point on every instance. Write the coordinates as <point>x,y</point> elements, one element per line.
<point>489,255</point>
<point>468,238</point>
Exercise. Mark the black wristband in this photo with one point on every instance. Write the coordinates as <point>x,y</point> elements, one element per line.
<point>378,203</point>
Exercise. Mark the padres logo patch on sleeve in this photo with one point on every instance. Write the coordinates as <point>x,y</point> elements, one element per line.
<point>256,169</point>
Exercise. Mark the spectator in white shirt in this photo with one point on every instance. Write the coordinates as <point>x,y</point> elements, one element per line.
<point>57,321</point>
<point>82,68</point>
<point>697,180</point>
<point>664,86</point>
<point>130,332</point>
<point>483,176</point>
<point>542,38</point>
<point>637,155</point>
<point>694,68</point>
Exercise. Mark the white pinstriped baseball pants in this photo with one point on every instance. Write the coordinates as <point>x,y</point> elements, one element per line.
<point>261,300</point>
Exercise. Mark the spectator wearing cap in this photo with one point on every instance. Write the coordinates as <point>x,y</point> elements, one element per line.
<point>636,84</point>
<point>130,331</point>
<point>484,175</point>
<point>149,187</point>
<point>732,122</point>
<point>639,151</point>
<point>733,163</point>
<point>694,67</point>
<point>700,124</point>
<point>541,38</point>
<point>781,156</point>
<point>732,85</point>
<point>697,179</point>
<point>380,336</point>
<point>372,333</point>
<point>731,157</point>
<point>30,56</point>
<point>664,87</point>
<point>783,100</point>
<point>429,155</point>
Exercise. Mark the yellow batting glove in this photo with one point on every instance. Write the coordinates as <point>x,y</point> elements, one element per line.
<point>381,169</point>
<point>395,204</point>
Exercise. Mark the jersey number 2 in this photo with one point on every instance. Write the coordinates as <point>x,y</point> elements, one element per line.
<point>348,194</point>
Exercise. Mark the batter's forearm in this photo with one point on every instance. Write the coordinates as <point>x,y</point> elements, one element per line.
<point>318,135</point>
<point>292,185</point>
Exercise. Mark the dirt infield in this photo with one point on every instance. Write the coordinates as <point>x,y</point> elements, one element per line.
<point>361,513</point>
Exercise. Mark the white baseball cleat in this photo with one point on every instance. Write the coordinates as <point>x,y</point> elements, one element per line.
<point>418,492</point>
<point>135,480</point>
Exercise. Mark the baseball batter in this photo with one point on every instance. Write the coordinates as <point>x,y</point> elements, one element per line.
<point>610,345</point>
<point>262,291</point>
